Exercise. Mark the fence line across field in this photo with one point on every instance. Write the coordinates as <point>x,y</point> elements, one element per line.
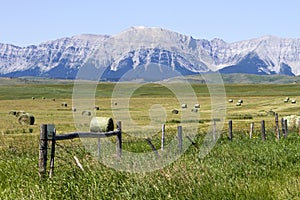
<point>279,133</point>
<point>46,135</point>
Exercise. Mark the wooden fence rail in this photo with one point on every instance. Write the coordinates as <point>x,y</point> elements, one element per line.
<point>48,133</point>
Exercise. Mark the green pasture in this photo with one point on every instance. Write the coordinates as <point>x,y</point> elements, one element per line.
<point>238,169</point>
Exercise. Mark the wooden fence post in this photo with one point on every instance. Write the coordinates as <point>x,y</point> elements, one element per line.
<point>179,137</point>
<point>43,151</point>
<point>163,137</point>
<point>119,140</point>
<point>263,130</point>
<point>277,126</point>
<point>283,128</point>
<point>53,141</point>
<point>251,129</point>
<point>286,127</point>
<point>230,130</point>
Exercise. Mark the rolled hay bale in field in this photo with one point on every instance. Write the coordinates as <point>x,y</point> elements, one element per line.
<point>64,104</point>
<point>286,101</point>
<point>97,108</point>
<point>101,124</point>
<point>184,105</point>
<point>115,103</point>
<point>293,101</point>
<point>74,109</point>
<point>230,100</point>
<point>12,112</point>
<point>174,111</point>
<point>86,113</point>
<point>53,99</point>
<point>292,121</point>
<point>240,101</point>
<point>33,98</point>
<point>26,119</point>
<point>194,110</point>
<point>43,97</point>
<point>197,105</point>
<point>238,104</point>
<point>19,113</point>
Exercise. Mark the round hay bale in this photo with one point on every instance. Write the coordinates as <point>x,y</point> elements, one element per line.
<point>194,110</point>
<point>101,124</point>
<point>286,100</point>
<point>115,103</point>
<point>19,113</point>
<point>74,109</point>
<point>293,101</point>
<point>174,111</point>
<point>64,104</point>
<point>240,101</point>
<point>184,105</point>
<point>292,121</point>
<point>33,98</point>
<point>230,100</point>
<point>12,112</point>
<point>43,97</point>
<point>53,99</point>
<point>238,104</point>
<point>97,108</point>
<point>86,113</point>
<point>26,119</point>
<point>197,105</point>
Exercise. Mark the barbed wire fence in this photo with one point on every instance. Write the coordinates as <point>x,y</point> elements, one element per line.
<point>68,150</point>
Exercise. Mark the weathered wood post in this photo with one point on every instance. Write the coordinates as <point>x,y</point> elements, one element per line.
<point>277,126</point>
<point>286,127</point>
<point>163,137</point>
<point>53,141</point>
<point>230,129</point>
<point>43,151</point>
<point>283,127</point>
<point>251,129</point>
<point>119,140</point>
<point>179,137</point>
<point>263,130</point>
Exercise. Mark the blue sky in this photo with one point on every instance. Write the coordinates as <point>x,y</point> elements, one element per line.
<point>34,21</point>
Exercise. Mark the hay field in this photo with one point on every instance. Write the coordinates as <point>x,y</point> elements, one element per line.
<point>259,103</point>
<point>241,169</point>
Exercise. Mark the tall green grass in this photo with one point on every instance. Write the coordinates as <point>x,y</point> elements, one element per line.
<point>241,169</point>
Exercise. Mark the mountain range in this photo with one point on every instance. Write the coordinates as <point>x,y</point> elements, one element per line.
<point>149,54</point>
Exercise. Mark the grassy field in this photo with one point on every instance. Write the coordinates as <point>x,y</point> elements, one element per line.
<point>238,169</point>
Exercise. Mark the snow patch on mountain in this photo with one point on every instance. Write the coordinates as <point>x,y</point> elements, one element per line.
<point>138,47</point>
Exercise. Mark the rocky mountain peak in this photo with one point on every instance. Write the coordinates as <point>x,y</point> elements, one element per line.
<point>138,47</point>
